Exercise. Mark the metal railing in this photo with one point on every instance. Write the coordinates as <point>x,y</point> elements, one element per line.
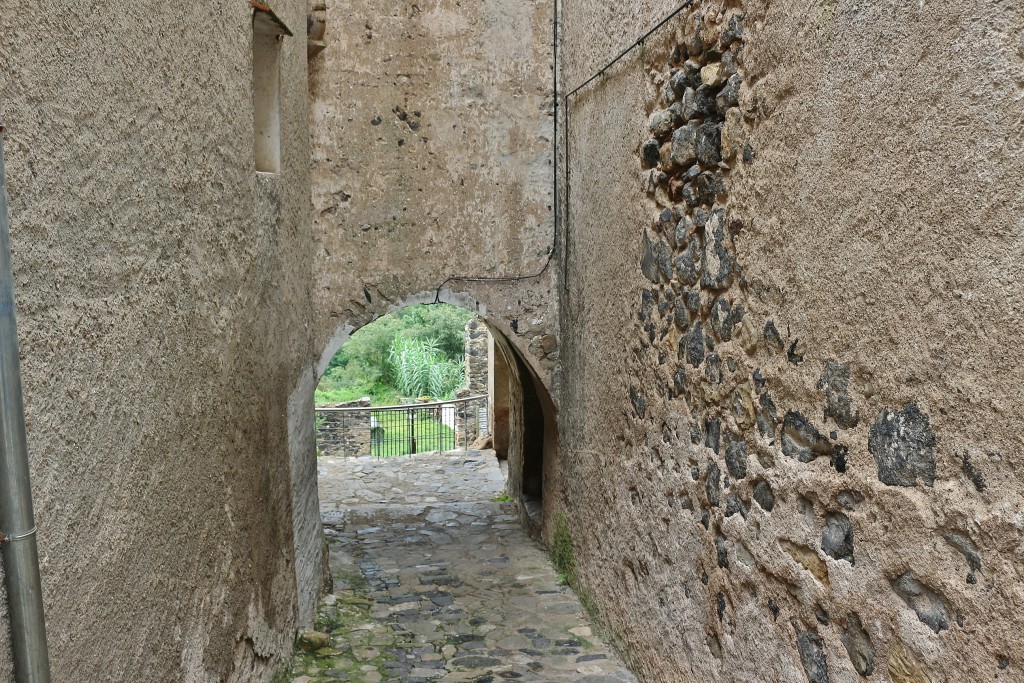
<point>389,431</point>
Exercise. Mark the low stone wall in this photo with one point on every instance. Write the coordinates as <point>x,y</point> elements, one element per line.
<point>348,433</point>
<point>470,418</point>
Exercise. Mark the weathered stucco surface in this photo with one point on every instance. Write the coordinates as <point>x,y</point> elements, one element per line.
<point>876,220</point>
<point>164,304</point>
<point>787,389</point>
<point>432,157</point>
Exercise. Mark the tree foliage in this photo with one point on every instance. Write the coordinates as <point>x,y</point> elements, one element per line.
<point>364,367</point>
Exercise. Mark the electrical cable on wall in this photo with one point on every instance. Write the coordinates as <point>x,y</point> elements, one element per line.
<point>568,129</point>
<point>558,227</point>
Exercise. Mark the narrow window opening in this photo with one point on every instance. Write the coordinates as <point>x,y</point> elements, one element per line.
<point>267,32</point>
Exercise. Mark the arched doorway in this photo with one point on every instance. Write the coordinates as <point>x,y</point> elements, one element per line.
<point>521,414</point>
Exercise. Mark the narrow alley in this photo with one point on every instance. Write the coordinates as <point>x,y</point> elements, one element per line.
<point>435,579</point>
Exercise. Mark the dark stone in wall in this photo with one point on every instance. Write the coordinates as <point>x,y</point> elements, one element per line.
<point>930,607</point>
<point>968,550</point>
<point>691,346</point>
<point>734,504</point>
<point>767,417</point>
<point>723,555</point>
<point>701,216</point>
<point>713,435</point>
<point>976,477</point>
<point>679,382</point>
<point>793,355</point>
<point>748,153</point>
<point>698,102</point>
<point>801,440</point>
<point>837,537</point>
<point>687,268</point>
<point>639,404</point>
<point>709,144</point>
<point>812,656</point>
<point>684,146</point>
<point>681,80</point>
<point>759,380</point>
<point>735,456</point>
<point>656,263</point>
<point>730,94</point>
<point>651,154</point>
<point>764,496</point>
<point>904,447</point>
<point>772,337</point>
<point>713,368</point>
<point>693,302</point>
<point>858,646</point>
<point>708,186</point>
<point>835,381</point>
<point>648,299</point>
<point>732,32</point>
<point>821,615</point>
<point>717,271</point>
<point>713,484</point>
<point>838,461</point>
<point>684,230</point>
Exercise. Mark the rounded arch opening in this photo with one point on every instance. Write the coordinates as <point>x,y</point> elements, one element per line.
<point>521,415</point>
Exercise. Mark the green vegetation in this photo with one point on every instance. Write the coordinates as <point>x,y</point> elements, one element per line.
<point>413,352</point>
<point>420,369</point>
<point>562,554</point>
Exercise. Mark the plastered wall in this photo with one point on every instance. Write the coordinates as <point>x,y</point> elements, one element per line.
<point>163,300</point>
<point>789,338</point>
<point>432,129</point>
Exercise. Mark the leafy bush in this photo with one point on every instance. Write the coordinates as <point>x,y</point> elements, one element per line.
<point>421,369</point>
<point>362,367</point>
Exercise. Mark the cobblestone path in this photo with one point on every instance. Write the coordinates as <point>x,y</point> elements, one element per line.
<point>441,590</point>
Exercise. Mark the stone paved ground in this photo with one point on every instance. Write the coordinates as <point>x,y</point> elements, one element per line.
<point>449,589</point>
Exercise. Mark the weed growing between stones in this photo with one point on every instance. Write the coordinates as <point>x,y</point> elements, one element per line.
<point>562,555</point>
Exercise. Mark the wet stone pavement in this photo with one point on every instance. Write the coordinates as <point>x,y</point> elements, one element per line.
<point>441,590</point>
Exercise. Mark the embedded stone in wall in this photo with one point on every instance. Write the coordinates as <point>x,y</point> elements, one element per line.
<point>717,270</point>
<point>812,656</point>
<point>930,607</point>
<point>764,496</point>
<point>837,537</point>
<point>970,552</point>
<point>903,445</point>
<point>801,440</point>
<point>736,456</point>
<point>835,381</point>
<point>858,646</point>
<point>476,356</point>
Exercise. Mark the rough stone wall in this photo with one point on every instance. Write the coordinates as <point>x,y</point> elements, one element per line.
<point>476,357</point>
<point>498,391</point>
<point>163,294</point>
<point>432,158</point>
<point>789,412</point>
<point>344,434</point>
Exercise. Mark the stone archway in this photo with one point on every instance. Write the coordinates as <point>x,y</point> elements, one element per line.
<point>532,433</point>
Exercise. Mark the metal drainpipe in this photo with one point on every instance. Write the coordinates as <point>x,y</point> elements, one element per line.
<point>18,539</point>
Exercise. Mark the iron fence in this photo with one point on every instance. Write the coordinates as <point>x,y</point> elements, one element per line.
<point>389,431</point>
